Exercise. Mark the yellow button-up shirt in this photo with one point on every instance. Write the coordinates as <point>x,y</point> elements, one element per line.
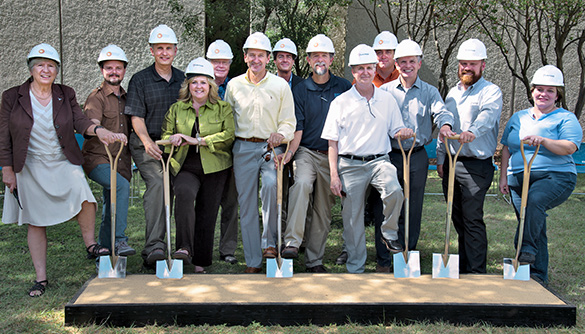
<point>263,108</point>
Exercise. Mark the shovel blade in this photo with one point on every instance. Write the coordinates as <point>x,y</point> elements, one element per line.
<point>440,270</point>
<point>108,270</point>
<point>522,274</point>
<point>407,269</point>
<point>173,270</point>
<point>285,269</point>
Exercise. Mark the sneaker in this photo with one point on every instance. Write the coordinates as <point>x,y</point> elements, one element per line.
<point>341,259</point>
<point>526,258</point>
<point>228,259</point>
<point>393,245</point>
<point>123,249</point>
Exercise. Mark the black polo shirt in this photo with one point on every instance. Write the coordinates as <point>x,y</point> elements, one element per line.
<point>150,96</point>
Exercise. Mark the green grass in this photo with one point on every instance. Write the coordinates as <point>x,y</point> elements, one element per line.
<point>68,269</point>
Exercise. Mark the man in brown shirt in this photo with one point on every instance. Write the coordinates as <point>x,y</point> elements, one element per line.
<point>105,107</point>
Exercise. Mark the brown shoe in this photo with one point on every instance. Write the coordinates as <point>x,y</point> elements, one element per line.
<point>290,252</point>
<point>269,253</point>
<point>319,269</point>
<point>252,270</point>
<point>382,269</point>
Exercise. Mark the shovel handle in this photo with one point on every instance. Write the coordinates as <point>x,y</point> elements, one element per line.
<point>167,194</point>
<point>406,176</point>
<point>279,170</point>
<point>450,190</point>
<point>113,197</point>
<point>524,199</point>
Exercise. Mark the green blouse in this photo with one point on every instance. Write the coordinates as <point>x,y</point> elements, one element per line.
<point>216,126</point>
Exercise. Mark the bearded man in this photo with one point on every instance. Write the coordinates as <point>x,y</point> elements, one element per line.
<point>476,105</point>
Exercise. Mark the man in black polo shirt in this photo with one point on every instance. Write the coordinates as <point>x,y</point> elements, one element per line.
<point>150,94</point>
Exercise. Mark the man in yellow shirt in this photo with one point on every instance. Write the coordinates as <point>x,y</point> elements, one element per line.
<point>264,117</point>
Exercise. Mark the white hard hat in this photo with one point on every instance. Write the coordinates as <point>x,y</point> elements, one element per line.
<point>406,48</point>
<point>362,54</point>
<point>548,75</point>
<point>112,52</point>
<point>162,34</point>
<point>258,41</point>
<point>285,45</point>
<point>472,49</point>
<point>385,41</point>
<point>219,50</point>
<point>44,50</point>
<point>320,43</point>
<point>199,66</point>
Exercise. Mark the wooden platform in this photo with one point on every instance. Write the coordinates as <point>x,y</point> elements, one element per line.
<point>320,299</point>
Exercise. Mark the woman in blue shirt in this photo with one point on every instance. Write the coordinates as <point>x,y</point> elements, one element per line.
<point>553,175</point>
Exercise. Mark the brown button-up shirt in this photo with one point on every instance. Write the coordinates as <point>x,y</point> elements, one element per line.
<point>103,105</point>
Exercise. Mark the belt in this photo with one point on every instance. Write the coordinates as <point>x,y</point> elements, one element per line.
<point>319,151</point>
<point>365,158</point>
<point>253,139</point>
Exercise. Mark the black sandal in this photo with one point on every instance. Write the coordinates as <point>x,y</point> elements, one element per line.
<point>38,286</point>
<point>97,251</point>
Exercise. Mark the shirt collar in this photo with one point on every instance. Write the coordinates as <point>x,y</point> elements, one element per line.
<point>109,91</point>
<point>247,76</point>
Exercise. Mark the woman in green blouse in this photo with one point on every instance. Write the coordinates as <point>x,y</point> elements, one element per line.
<point>202,126</point>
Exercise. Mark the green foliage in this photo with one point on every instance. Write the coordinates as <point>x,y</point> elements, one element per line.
<point>298,20</point>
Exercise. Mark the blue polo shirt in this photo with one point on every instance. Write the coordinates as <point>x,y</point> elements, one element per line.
<point>558,124</point>
<point>312,103</point>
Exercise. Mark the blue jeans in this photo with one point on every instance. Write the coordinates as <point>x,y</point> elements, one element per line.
<point>101,175</point>
<point>547,190</point>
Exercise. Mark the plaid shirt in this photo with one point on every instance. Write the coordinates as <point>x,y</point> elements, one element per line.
<point>150,96</point>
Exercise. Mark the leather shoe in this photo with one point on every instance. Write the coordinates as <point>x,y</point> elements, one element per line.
<point>319,269</point>
<point>393,245</point>
<point>155,255</point>
<point>290,252</point>
<point>383,269</point>
<point>341,259</point>
<point>228,259</point>
<point>269,253</point>
<point>526,258</point>
<point>252,270</point>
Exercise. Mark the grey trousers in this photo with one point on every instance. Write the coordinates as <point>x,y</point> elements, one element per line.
<point>249,166</point>
<point>355,177</point>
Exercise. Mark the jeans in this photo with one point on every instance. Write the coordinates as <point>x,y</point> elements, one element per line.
<point>547,190</point>
<point>101,175</point>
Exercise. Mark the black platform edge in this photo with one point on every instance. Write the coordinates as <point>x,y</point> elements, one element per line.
<point>231,314</point>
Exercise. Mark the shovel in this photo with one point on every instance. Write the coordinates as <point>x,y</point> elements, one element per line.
<point>406,263</point>
<point>279,267</point>
<point>169,268</point>
<point>512,268</point>
<point>113,266</point>
<point>447,265</point>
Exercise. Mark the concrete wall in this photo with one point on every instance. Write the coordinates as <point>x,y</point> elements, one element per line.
<point>88,26</point>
